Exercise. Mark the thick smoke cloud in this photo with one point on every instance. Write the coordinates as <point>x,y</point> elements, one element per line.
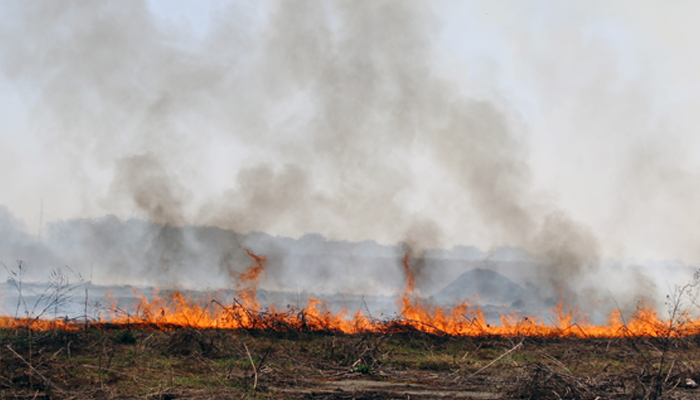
<point>289,118</point>
<point>151,188</point>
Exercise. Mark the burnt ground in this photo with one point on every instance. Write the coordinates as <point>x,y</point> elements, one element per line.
<point>216,364</point>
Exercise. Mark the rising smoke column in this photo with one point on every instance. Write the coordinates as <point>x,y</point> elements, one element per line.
<point>323,106</point>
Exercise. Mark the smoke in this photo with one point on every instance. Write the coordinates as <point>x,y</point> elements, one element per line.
<point>16,244</point>
<point>151,189</point>
<point>288,118</point>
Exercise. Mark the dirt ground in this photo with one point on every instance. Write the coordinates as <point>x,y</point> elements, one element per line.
<point>100,363</point>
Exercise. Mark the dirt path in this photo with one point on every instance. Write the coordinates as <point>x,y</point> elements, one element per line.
<point>366,389</point>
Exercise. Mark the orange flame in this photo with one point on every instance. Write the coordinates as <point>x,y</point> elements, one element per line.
<point>177,310</point>
<point>249,279</point>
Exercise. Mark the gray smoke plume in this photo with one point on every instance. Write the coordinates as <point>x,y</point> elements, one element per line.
<point>151,188</point>
<point>296,117</point>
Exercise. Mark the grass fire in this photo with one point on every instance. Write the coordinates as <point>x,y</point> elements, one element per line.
<point>184,346</point>
<point>365,199</point>
<point>177,310</point>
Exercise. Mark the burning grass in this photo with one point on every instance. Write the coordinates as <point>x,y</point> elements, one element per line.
<point>183,347</point>
<point>244,312</point>
<point>177,311</point>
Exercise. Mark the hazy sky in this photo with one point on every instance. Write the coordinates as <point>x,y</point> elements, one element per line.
<point>465,122</point>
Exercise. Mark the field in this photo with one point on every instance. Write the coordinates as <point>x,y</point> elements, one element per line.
<point>113,362</point>
<point>184,347</point>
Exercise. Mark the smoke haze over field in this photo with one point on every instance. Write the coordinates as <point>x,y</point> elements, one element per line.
<point>564,129</point>
<point>356,275</point>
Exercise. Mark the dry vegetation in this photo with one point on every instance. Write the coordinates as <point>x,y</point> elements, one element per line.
<point>402,363</point>
<point>397,360</point>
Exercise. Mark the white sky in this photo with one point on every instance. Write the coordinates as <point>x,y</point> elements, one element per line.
<point>604,97</point>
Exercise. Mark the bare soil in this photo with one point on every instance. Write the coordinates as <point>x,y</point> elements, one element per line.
<point>101,363</point>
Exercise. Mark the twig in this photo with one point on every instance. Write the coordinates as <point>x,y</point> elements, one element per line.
<point>499,357</point>
<point>559,363</point>
<point>669,371</point>
<point>676,385</point>
<point>34,369</point>
<point>369,314</point>
<point>255,370</point>
<point>135,379</point>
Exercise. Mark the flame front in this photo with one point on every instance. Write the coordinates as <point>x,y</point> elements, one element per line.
<point>177,311</point>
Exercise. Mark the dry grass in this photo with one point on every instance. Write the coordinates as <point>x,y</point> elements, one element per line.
<point>188,363</point>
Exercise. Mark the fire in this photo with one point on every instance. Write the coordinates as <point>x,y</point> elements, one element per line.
<point>177,311</point>
<point>248,280</point>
